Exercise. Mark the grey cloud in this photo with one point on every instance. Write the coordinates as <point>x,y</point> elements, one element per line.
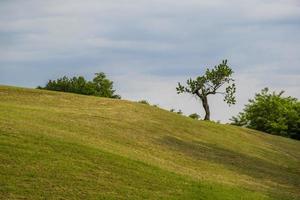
<point>153,41</point>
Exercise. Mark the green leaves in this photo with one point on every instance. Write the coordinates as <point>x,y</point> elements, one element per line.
<point>272,113</point>
<point>103,86</point>
<point>211,82</point>
<point>219,74</point>
<point>180,88</point>
<point>229,94</point>
<point>99,86</point>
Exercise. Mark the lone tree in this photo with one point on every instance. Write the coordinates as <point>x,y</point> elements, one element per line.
<point>210,83</point>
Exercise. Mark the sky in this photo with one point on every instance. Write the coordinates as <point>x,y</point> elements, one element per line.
<point>147,46</point>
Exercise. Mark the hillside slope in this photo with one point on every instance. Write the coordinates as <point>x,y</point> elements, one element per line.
<point>64,146</point>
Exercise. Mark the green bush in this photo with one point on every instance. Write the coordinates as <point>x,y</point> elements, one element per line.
<point>99,86</point>
<point>179,112</point>
<point>144,102</point>
<point>271,113</point>
<point>194,116</point>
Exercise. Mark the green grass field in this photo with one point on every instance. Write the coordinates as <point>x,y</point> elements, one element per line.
<point>64,146</point>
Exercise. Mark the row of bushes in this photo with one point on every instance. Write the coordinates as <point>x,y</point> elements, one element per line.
<point>99,86</point>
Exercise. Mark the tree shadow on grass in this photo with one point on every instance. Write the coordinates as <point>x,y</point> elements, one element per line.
<point>235,161</point>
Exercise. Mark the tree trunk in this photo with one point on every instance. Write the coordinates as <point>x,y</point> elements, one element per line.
<point>206,108</point>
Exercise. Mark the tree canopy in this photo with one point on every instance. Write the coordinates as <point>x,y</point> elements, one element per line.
<point>210,84</point>
<point>99,86</point>
<point>271,112</point>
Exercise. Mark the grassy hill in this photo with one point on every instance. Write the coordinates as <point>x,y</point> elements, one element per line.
<point>64,146</point>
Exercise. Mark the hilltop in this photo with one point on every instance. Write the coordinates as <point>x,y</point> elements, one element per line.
<point>56,145</point>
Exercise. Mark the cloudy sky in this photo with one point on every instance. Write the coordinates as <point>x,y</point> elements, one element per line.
<point>147,46</point>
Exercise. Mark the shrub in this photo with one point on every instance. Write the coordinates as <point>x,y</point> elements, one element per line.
<point>144,102</point>
<point>271,113</point>
<point>194,116</point>
<point>179,112</point>
<point>99,86</point>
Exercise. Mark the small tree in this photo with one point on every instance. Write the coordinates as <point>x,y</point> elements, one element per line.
<point>104,86</point>
<point>209,84</point>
